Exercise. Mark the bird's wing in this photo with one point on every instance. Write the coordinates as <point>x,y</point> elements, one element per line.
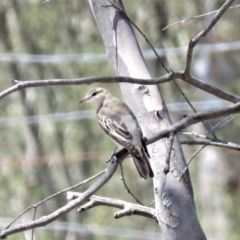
<point>113,125</point>
<point>139,129</point>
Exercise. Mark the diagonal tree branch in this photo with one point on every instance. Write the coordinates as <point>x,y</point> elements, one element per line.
<point>127,188</point>
<point>54,195</point>
<point>209,88</point>
<point>72,204</point>
<point>196,17</point>
<point>207,126</point>
<point>195,40</point>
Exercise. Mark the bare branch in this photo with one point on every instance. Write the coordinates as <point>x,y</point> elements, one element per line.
<point>71,205</point>
<point>34,217</point>
<point>195,118</point>
<point>211,142</point>
<point>190,160</point>
<point>195,17</point>
<point>225,121</point>
<point>54,195</point>
<point>151,203</point>
<point>128,208</point>
<point>194,41</point>
<point>127,188</point>
<point>195,135</point>
<point>209,88</point>
<point>108,79</point>
<point>223,144</point>
<point>88,80</point>
<point>207,126</point>
<point>214,143</point>
<point>194,155</point>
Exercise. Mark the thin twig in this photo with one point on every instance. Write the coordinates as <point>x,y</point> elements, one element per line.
<point>195,40</point>
<point>207,126</point>
<point>195,154</point>
<point>54,195</point>
<point>212,141</point>
<point>195,17</point>
<point>189,161</point>
<point>151,203</point>
<point>34,217</point>
<point>126,186</point>
<point>221,144</point>
<point>221,124</point>
<point>225,121</point>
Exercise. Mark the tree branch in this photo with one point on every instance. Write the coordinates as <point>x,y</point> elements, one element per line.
<point>127,207</point>
<point>195,40</point>
<point>195,17</point>
<point>127,188</point>
<point>212,141</point>
<point>116,79</point>
<point>224,144</point>
<point>209,88</point>
<point>72,204</point>
<point>195,118</point>
<point>54,195</point>
<point>195,135</point>
<point>88,80</point>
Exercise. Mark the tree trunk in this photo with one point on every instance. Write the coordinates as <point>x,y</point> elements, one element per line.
<point>175,208</point>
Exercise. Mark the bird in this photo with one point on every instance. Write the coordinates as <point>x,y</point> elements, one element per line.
<point>119,122</point>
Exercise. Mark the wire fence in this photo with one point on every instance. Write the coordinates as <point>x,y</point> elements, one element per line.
<point>93,58</point>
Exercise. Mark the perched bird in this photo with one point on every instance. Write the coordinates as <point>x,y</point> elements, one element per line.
<point>119,122</point>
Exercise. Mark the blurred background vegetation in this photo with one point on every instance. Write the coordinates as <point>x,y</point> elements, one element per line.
<point>48,142</point>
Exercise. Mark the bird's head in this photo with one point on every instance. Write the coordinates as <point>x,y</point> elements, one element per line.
<point>96,95</point>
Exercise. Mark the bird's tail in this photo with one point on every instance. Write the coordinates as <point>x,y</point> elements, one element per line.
<point>143,165</point>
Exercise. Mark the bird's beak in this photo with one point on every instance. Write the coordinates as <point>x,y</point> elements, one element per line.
<point>84,99</point>
<point>81,101</point>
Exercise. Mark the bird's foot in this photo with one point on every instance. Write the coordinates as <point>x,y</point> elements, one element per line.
<point>113,158</point>
<point>144,139</point>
